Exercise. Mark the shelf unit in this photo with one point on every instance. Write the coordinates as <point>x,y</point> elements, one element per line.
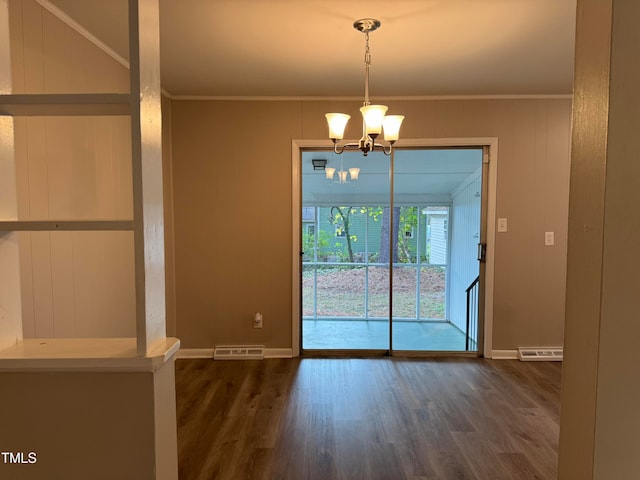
<point>80,403</point>
<point>142,105</point>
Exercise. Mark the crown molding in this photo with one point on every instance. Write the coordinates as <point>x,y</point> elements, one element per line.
<point>264,98</point>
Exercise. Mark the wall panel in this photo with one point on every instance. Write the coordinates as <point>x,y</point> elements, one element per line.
<point>465,236</point>
<point>73,283</point>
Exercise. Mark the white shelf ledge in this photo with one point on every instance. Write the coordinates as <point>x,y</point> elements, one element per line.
<point>65,104</point>
<point>53,225</point>
<point>84,354</point>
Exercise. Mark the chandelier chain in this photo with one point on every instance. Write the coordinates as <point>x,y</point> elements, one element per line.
<point>367,64</point>
<point>367,50</point>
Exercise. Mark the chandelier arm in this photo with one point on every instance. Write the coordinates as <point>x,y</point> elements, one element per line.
<point>347,146</point>
<point>338,150</point>
<point>383,148</point>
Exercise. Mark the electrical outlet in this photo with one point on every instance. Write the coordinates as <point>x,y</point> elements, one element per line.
<point>502,225</point>
<point>257,321</point>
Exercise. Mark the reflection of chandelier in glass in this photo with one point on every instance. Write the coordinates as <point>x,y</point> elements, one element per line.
<point>352,173</point>
<point>374,120</point>
<point>344,176</point>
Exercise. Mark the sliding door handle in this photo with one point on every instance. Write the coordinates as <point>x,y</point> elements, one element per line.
<point>482,252</point>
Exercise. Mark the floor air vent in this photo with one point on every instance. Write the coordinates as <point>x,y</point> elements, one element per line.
<point>540,354</point>
<point>239,352</point>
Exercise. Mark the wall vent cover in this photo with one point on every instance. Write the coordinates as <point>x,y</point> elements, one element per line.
<point>239,352</point>
<point>542,354</point>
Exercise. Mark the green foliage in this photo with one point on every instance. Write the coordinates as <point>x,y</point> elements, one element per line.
<point>308,242</point>
<point>345,241</point>
<point>374,213</point>
<point>409,217</point>
<point>408,222</point>
<point>341,216</point>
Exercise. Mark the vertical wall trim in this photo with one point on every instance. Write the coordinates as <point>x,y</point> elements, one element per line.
<point>585,238</point>
<point>10,296</point>
<point>146,157</point>
<point>296,271</point>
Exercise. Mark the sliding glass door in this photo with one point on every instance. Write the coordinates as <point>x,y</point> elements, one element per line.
<point>419,221</point>
<point>345,280</point>
<point>437,197</point>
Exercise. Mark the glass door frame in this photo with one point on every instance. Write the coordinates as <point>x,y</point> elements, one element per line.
<point>488,224</point>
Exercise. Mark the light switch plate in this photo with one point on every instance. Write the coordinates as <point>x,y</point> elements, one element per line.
<point>549,238</point>
<point>502,225</point>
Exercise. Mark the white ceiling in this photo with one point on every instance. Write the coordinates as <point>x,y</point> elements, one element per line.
<point>302,48</point>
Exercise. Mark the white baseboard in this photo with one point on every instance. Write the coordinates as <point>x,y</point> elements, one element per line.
<point>195,353</point>
<point>208,353</point>
<point>278,353</point>
<point>541,354</point>
<point>504,354</point>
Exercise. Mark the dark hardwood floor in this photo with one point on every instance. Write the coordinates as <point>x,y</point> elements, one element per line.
<point>352,418</point>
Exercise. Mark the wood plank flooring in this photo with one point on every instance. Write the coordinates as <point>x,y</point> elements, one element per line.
<point>354,418</point>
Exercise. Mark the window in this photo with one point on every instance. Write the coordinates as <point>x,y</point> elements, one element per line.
<point>308,214</point>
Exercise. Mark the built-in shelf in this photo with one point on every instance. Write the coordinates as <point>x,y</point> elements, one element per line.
<point>48,378</point>
<point>65,104</point>
<point>64,225</point>
<point>142,106</point>
<point>85,354</point>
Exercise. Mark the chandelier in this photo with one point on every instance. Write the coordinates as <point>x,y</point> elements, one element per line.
<point>374,120</point>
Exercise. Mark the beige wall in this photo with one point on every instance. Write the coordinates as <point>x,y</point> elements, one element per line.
<point>80,425</point>
<point>167,188</point>
<point>233,214</point>
<point>90,425</point>
<point>232,204</point>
